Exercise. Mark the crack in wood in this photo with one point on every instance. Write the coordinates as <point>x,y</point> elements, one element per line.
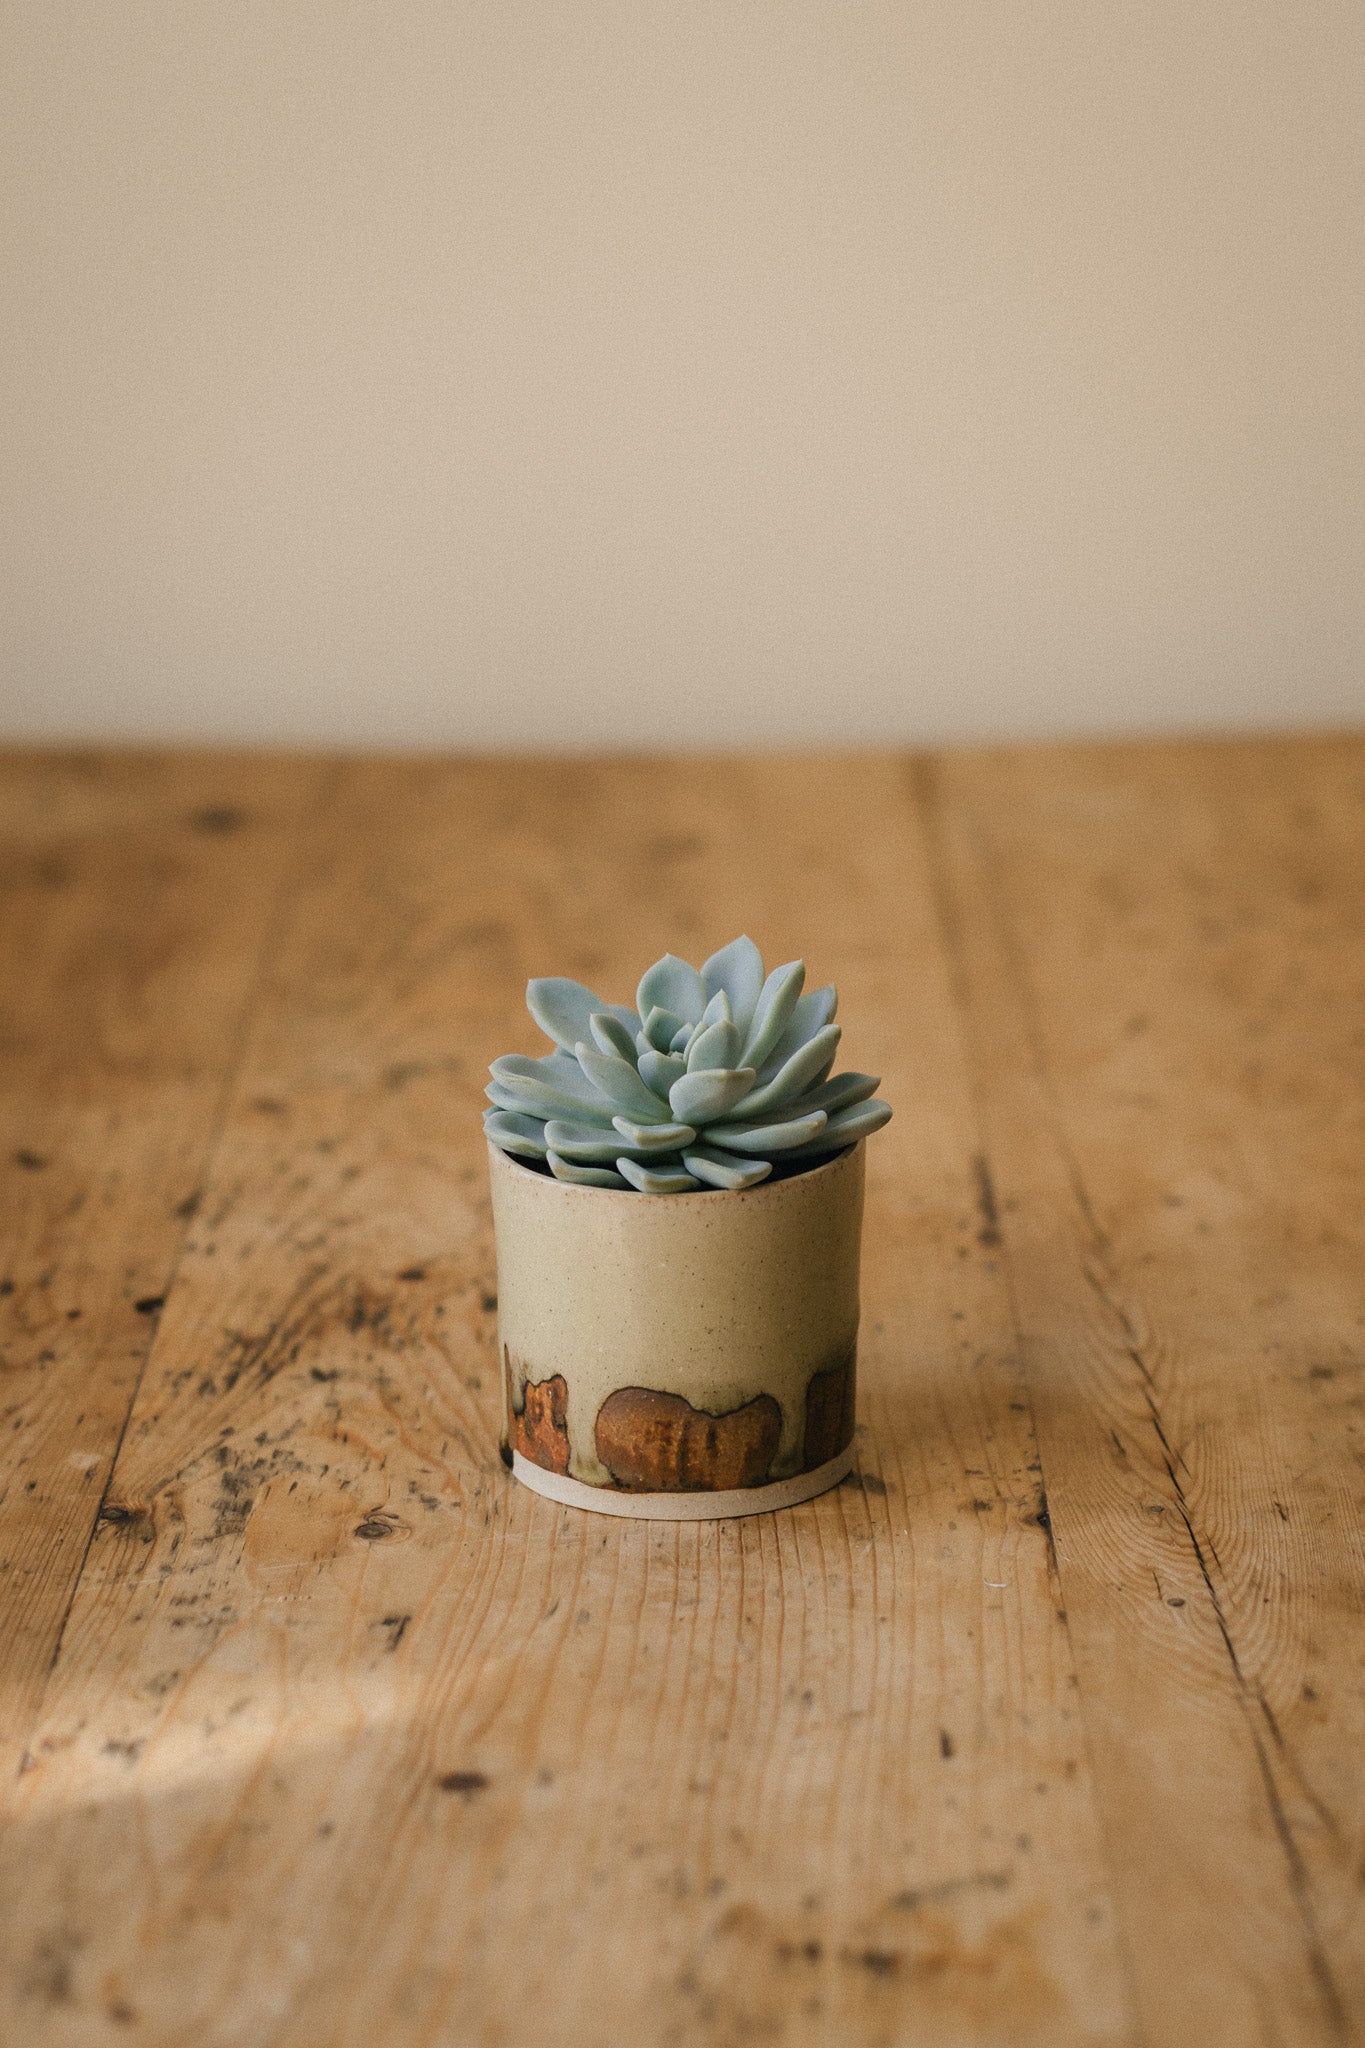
<point>1250,1696</point>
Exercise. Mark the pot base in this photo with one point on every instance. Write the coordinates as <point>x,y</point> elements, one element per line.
<point>685,1507</point>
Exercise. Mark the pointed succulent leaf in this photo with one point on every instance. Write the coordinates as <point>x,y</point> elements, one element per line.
<point>725,1170</point>
<point>799,1073</point>
<point>720,1080</point>
<point>610,1035</point>
<point>779,998</point>
<point>546,1104</point>
<point>839,1092</point>
<point>589,1144</point>
<point>716,1046</point>
<point>845,1128</point>
<point>699,1097</point>
<point>737,970</point>
<point>562,1008</point>
<point>813,1012</point>
<point>653,1137</point>
<point>762,1139</point>
<point>717,1011</point>
<point>584,1176</point>
<point>659,1070</point>
<point>552,1069</point>
<point>549,1087</point>
<point>522,1136</point>
<point>619,1082</point>
<point>661,1027</point>
<point>673,985</point>
<point>668,1177</point>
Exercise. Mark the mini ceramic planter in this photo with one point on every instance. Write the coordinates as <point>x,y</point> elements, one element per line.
<point>683,1357</point>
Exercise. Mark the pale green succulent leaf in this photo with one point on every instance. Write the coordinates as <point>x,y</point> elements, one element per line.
<point>661,1027</point>
<point>737,971</point>
<point>781,992</point>
<point>589,1144</point>
<point>800,1072</point>
<point>700,1097</point>
<point>550,1087</point>
<point>668,1177</point>
<point>813,1013</point>
<point>841,1092</point>
<point>659,1070</point>
<point>522,1136</point>
<point>544,1103</point>
<point>552,1069</point>
<point>717,1011</point>
<point>562,1008</point>
<point>717,1046</point>
<point>763,1139</point>
<point>584,1176</point>
<point>721,1079</point>
<point>845,1128</point>
<point>611,1036</point>
<point>653,1137</point>
<point>618,1080</point>
<point>725,1170</point>
<point>674,985</point>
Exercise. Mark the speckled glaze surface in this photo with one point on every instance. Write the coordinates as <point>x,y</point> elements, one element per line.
<point>679,1344</point>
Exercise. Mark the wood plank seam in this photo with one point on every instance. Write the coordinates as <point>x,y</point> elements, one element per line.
<point>925,798</point>
<point>1255,1708</point>
<point>287,892</point>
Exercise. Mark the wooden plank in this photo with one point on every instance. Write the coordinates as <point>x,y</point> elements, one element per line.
<point>350,1739</point>
<point>136,896</point>
<point>1162,954</point>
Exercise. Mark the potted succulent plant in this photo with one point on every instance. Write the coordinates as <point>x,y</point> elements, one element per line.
<point>690,1356</point>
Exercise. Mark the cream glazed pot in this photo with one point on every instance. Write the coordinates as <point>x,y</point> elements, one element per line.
<point>682,1356</point>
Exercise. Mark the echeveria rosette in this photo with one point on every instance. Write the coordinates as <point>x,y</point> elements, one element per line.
<point>717,1079</point>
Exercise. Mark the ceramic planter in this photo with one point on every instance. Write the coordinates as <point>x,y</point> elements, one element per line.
<point>679,1356</point>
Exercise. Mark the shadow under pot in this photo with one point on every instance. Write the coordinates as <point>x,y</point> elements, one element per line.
<point>680,1357</point>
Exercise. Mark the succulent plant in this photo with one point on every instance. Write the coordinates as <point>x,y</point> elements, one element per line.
<point>718,1079</point>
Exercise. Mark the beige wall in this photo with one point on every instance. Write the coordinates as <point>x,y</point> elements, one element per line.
<point>632,371</point>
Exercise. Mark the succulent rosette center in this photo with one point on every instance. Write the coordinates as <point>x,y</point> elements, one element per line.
<point>717,1078</point>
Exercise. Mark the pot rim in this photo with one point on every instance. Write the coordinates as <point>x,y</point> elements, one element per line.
<point>763,1187</point>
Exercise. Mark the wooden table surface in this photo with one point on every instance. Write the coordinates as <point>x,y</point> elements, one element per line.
<point>1046,1727</point>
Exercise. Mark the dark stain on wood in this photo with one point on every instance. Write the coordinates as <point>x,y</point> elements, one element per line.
<point>216,821</point>
<point>659,1443</point>
<point>375,1528</point>
<point>988,1209</point>
<point>118,1516</point>
<point>878,1962</point>
<point>466,1783</point>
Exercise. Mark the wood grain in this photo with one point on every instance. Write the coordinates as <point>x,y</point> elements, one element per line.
<point>136,900</point>
<point>351,1740</point>
<point>1162,967</point>
<point>1045,1727</point>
